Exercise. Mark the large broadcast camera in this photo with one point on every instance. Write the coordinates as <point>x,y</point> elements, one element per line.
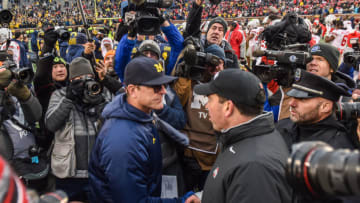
<point>317,171</point>
<point>353,57</point>
<point>287,61</point>
<point>290,30</point>
<point>146,19</point>
<point>286,42</point>
<point>196,63</point>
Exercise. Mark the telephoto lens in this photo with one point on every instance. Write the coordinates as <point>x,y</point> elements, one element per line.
<point>348,111</point>
<point>316,170</point>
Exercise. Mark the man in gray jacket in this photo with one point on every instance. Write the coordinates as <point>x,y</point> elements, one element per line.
<point>73,114</point>
<point>251,165</point>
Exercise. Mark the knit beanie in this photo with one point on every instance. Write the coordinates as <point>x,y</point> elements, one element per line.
<point>80,66</point>
<point>111,52</point>
<point>150,45</point>
<point>329,52</point>
<point>81,38</point>
<point>59,60</point>
<point>216,50</point>
<point>218,20</point>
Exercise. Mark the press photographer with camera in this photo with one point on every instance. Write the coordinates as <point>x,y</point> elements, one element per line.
<point>72,115</point>
<point>20,110</point>
<point>322,59</point>
<point>198,67</point>
<point>313,112</point>
<point>130,40</point>
<point>214,35</point>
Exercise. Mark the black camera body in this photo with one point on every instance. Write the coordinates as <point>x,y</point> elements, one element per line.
<point>353,58</point>
<point>5,16</point>
<point>24,75</point>
<point>64,35</point>
<point>147,20</point>
<point>92,91</point>
<point>196,63</point>
<point>290,30</point>
<point>287,62</point>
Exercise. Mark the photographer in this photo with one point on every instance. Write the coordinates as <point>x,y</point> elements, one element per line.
<point>324,63</point>
<point>312,112</point>
<point>129,41</point>
<point>214,35</point>
<point>19,110</point>
<point>199,157</point>
<point>72,115</point>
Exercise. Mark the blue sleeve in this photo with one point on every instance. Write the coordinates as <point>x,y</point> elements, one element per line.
<point>34,47</point>
<point>176,43</point>
<point>125,168</point>
<point>173,113</point>
<point>268,107</point>
<point>63,48</point>
<point>123,55</point>
<point>347,69</point>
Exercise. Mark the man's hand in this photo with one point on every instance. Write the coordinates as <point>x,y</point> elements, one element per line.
<point>50,37</point>
<point>192,199</point>
<point>89,48</point>
<point>19,90</point>
<point>101,70</point>
<point>5,78</point>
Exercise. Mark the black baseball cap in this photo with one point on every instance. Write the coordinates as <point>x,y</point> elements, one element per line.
<point>309,85</point>
<point>237,85</point>
<point>146,71</point>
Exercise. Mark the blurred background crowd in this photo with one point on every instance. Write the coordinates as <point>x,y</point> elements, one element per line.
<point>35,14</point>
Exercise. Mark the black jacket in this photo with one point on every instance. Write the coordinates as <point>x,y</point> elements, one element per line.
<point>251,166</point>
<point>328,130</point>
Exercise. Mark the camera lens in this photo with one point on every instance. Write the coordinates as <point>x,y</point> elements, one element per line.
<point>315,169</point>
<point>93,87</point>
<point>348,111</point>
<point>5,16</point>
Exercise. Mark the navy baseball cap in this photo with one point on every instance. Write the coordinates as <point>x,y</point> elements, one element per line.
<point>146,71</point>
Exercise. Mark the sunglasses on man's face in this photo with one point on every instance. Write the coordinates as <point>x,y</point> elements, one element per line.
<point>157,88</point>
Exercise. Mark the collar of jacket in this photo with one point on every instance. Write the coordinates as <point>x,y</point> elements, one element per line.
<point>119,108</point>
<point>328,123</point>
<point>260,125</point>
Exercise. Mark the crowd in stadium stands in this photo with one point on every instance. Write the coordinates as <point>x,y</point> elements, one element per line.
<point>32,16</point>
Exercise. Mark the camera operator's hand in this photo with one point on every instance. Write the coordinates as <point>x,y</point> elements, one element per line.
<point>89,48</point>
<point>5,77</point>
<point>75,89</point>
<point>50,37</point>
<point>163,18</point>
<point>19,90</point>
<point>101,70</point>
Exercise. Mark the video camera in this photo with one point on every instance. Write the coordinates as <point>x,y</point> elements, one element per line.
<point>5,17</point>
<point>353,58</point>
<point>290,30</point>
<point>196,62</point>
<point>316,170</point>
<point>24,75</point>
<point>64,35</point>
<point>287,61</point>
<point>146,20</point>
